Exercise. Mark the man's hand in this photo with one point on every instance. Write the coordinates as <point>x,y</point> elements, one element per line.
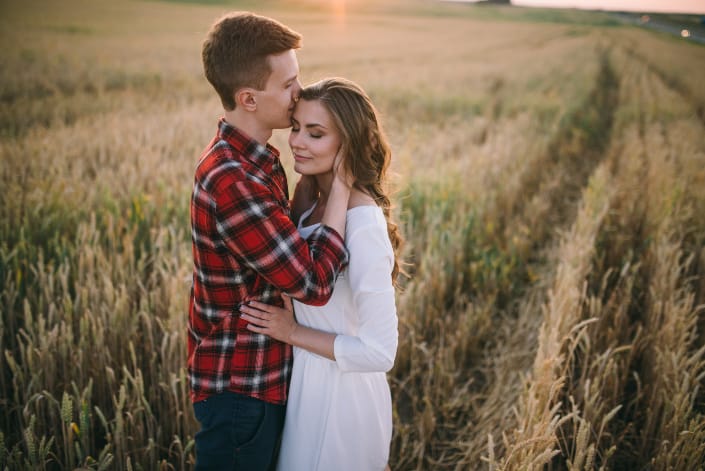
<point>340,170</point>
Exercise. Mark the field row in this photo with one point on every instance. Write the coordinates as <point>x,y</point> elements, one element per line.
<point>550,182</point>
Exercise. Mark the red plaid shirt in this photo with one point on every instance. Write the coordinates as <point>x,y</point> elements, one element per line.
<point>245,247</point>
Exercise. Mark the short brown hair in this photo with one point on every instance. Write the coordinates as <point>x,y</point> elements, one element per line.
<point>236,49</point>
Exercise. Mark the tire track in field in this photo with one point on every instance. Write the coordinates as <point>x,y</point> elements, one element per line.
<point>671,82</point>
<point>637,239</point>
<point>485,390</point>
<point>553,189</point>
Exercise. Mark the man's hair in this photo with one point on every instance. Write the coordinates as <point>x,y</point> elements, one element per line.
<point>235,52</point>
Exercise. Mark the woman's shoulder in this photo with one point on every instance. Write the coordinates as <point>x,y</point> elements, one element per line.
<point>362,210</point>
<point>366,225</point>
<point>360,198</point>
<point>365,215</point>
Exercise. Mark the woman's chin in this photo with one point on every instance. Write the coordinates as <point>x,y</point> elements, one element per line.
<point>304,170</point>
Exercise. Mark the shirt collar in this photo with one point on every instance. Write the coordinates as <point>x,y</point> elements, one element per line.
<point>263,157</point>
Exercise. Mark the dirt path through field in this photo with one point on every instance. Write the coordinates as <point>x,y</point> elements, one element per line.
<point>552,190</point>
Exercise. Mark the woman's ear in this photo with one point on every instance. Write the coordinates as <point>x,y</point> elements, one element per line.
<point>245,98</point>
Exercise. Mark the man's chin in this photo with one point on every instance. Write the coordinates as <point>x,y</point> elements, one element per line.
<point>286,125</point>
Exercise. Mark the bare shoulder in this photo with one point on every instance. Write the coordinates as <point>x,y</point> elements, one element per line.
<point>359,198</point>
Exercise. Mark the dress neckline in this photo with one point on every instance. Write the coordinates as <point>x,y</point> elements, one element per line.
<point>308,212</point>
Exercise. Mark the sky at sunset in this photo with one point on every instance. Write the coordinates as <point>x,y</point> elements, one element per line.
<point>678,6</point>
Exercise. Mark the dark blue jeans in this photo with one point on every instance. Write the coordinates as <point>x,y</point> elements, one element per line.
<point>238,433</point>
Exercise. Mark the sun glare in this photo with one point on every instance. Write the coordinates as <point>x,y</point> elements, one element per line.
<point>339,11</point>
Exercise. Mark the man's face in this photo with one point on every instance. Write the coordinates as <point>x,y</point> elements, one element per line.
<point>275,104</point>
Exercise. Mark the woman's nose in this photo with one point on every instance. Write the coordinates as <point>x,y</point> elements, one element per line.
<point>294,141</point>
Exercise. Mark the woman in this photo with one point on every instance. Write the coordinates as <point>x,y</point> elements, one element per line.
<point>339,412</point>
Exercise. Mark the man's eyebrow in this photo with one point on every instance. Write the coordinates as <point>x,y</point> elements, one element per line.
<point>291,79</point>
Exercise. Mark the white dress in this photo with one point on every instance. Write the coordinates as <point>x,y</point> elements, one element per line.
<point>339,413</point>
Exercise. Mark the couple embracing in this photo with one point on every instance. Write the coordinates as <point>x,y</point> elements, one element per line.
<point>309,279</point>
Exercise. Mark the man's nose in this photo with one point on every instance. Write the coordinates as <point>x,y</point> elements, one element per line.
<point>297,90</point>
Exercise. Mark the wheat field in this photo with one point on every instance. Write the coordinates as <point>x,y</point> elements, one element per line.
<point>549,176</point>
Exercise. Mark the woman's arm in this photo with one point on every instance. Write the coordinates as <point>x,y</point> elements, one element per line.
<point>279,323</point>
<point>374,345</point>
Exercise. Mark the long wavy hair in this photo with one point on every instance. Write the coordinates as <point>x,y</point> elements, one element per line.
<point>364,144</point>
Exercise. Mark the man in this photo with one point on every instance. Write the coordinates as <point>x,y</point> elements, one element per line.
<point>245,247</point>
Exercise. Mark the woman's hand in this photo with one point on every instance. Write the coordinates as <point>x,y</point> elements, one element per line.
<point>276,322</point>
<point>335,214</point>
<point>279,324</point>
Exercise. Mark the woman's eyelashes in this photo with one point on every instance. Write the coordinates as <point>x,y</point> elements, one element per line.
<point>296,129</point>
<point>315,131</point>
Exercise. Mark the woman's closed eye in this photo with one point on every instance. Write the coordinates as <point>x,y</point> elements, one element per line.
<point>295,129</point>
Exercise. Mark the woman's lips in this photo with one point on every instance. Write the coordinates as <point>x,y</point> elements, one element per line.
<point>301,158</point>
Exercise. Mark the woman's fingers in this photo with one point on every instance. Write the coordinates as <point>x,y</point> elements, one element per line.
<point>287,302</point>
<point>339,169</point>
<point>258,305</point>
<point>276,322</point>
<point>254,319</point>
<point>257,316</point>
<point>256,328</point>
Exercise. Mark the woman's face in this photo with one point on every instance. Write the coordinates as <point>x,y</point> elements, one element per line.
<point>314,138</point>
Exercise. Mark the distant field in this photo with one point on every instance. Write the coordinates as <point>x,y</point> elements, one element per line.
<point>550,180</point>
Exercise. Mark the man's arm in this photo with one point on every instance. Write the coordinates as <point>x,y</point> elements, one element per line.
<point>257,230</point>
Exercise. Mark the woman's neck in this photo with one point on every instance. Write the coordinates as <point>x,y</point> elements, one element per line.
<point>324,182</point>
<point>357,197</point>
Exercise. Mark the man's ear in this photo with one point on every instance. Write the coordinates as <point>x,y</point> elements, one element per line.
<point>245,99</point>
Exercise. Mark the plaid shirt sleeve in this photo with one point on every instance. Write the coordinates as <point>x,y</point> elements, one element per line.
<point>256,229</point>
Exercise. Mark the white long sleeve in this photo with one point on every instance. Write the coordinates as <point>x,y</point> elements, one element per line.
<point>371,262</point>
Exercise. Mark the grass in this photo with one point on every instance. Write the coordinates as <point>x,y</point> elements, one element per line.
<point>548,178</point>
